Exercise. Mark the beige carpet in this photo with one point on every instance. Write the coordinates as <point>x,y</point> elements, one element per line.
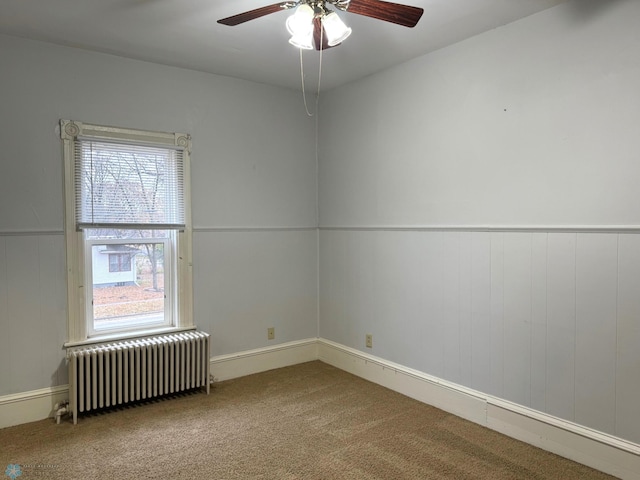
<point>309,421</point>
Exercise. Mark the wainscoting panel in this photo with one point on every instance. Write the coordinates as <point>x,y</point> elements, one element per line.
<point>480,311</point>
<point>517,313</point>
<point>431,328</point>
<point>596,305</point>
<point>561,321</point>
<point>248,280</point>
<point>627,378</point>
<point>32,311</point>
<point>496,327</point>
<point>4,306</point>
<point>545,319</point>
<point>539,320</point>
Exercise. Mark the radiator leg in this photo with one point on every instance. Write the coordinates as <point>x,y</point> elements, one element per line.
<point>73,404</point>
<point>208,364</point>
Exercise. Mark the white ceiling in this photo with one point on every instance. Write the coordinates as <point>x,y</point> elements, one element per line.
<point>184,33</point>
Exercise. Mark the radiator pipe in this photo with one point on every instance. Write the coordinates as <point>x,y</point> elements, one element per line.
<point>61,408</point>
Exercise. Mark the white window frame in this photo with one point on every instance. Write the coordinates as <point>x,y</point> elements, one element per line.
<point>78,329</point>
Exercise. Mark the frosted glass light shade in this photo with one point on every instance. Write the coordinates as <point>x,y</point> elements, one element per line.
<point>304,41</point>
<point>336,30</point>
<point>301,22</point>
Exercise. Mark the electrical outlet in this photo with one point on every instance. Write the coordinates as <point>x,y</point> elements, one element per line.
<point>271,333</point>
<point>369,341</point>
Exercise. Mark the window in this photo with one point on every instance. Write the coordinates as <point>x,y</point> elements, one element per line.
<point>127,230</point>
<point>118,262</point>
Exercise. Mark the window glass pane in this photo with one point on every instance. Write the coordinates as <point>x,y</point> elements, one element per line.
<point>128,278</point>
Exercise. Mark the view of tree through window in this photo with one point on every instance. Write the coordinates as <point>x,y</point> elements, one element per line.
<point>134,293</point>
<point>127,185</point>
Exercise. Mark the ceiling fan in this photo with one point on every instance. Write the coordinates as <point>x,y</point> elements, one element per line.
<point>314,25</point>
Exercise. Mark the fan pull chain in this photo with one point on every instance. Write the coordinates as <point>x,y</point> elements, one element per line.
<point>304,96</point>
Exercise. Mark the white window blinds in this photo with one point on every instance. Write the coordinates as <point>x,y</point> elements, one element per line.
<point>128,186</point>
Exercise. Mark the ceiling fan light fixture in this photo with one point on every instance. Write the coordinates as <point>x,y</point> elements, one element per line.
<point>301,22</point>
<point>337,32</point>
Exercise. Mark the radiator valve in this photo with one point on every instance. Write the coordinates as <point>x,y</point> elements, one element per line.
<point>61,408</point>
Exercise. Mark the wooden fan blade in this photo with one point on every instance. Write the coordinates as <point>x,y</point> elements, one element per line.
<point>253,14</point>
<point>404,15</point>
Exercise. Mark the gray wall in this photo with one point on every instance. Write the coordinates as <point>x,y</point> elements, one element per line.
<point>532,124</point>
<point>248,183</point>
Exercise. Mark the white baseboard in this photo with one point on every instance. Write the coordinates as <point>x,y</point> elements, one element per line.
<point>225,367</point>
<point>603,452</point>
<point>31,406</point>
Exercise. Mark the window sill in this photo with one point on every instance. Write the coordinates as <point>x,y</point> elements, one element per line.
<point>115,337</point>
